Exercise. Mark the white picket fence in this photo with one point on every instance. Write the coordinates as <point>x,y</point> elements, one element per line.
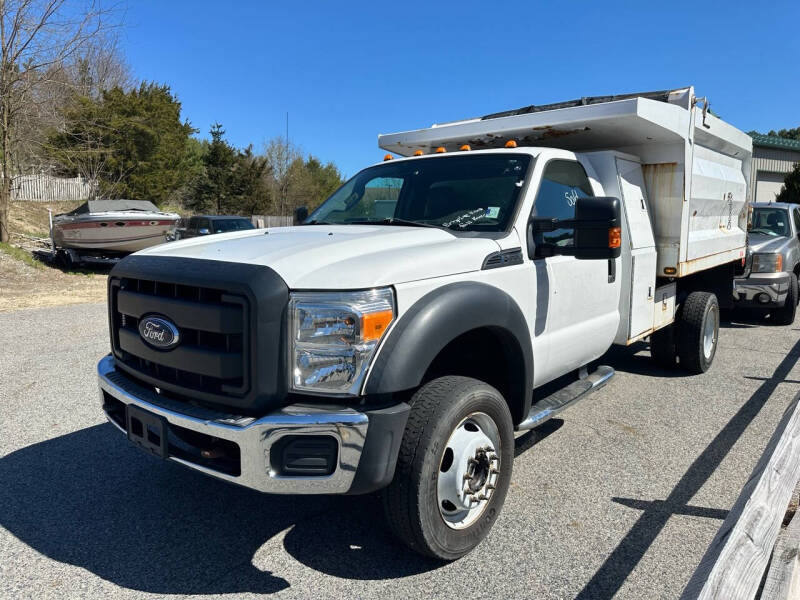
<point>46,188</point>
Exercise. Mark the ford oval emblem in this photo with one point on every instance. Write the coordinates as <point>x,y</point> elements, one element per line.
<point>159,333</point>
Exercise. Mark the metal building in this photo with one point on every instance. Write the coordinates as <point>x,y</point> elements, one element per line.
<point>773,158</point>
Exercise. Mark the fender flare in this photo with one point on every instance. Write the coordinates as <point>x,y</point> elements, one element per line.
<point>437,319</point>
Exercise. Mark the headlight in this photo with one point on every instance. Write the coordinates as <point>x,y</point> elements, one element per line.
<point>767,263</point>
<point>333,336</point>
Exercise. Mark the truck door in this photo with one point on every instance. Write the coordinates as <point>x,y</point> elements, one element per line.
<point>582,302</point>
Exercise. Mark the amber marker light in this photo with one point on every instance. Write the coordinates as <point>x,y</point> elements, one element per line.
<point>670,270</point>
<point>440,150</point>
<point>614,237</point>
<point>388,157</point>
<point>418,153</point>
<point>465,147</point>
<point>511,144</point>
<point>373,325</point>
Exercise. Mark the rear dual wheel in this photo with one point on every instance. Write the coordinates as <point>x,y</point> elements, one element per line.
<point>698,330</point>
<point>692,339</point>
<point>454,467</point>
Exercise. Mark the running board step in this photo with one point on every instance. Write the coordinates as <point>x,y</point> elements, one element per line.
<point>550,406</point>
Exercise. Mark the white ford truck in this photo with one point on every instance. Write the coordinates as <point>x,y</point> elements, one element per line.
<point>401,333</point>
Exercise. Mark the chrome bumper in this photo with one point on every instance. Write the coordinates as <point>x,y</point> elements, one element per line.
<point>746,291</point>
<point>255,437</point>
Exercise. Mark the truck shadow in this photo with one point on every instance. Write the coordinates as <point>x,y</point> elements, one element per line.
<point>746,319</point>
<point>90,500</point>
<point>636,359</point>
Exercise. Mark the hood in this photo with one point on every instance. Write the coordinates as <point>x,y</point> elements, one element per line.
<point>341,256</point>
<point>758,242</point>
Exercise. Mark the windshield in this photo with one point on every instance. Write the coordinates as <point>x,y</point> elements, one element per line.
<point>460,193</point>
<point>770,221</point>
<point>223,225</point>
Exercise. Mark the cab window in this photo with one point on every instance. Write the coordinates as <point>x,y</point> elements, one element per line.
<point>563,182</point>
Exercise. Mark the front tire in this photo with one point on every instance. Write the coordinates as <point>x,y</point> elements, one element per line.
<point>698,331</point>
<point>453,469</point>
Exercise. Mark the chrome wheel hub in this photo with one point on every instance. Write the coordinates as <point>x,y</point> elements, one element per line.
<point>468,470</point>
<point>710,333</point>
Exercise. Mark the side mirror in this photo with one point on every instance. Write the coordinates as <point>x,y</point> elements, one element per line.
<point>300,214</point>
<point>597,232</point>
<point>203,231</point>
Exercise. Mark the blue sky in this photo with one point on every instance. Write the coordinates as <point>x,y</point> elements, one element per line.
<point>346,71</point>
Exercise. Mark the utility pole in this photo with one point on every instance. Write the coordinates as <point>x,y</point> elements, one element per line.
<point>284,190</point>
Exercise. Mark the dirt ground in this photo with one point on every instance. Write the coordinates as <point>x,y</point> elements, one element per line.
<point>31,218</point>
<point>25,286</point>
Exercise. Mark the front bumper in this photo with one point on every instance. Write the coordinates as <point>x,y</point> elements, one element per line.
<point>762,290</point>
<point>368,441</point>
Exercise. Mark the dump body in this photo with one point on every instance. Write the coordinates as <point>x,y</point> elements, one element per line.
<point>696,167</point>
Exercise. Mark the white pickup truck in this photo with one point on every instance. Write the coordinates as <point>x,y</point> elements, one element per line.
<point>400,335</point>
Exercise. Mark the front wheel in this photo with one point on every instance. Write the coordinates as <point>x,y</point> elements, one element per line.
<point>453,469</point>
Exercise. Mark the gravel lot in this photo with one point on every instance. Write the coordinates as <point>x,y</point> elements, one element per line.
<point>619,496</point>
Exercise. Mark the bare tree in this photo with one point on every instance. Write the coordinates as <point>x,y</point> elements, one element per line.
<point>38,39</point>
<point>280,156</point>
<point>99,66</point>
<point>86,153</point>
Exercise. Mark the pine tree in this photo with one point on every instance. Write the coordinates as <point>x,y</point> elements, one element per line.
<point>790,192</point>
<point>133,143</point>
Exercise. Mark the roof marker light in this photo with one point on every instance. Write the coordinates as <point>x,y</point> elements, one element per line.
<point>418,153</point>
<point>511,144</point>
<point>440,150</point>
<point>388,157</point>
<point>465,147</point>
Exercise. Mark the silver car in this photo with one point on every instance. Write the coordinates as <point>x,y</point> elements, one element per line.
<point>773,262</point>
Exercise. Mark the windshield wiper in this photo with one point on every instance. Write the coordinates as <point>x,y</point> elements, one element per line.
<point>394,221</point>
<point>315,222</point>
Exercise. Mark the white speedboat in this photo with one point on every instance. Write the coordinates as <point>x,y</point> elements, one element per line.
<point>112,226</point>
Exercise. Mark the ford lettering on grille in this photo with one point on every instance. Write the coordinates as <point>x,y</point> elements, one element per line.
<point>159,333</point>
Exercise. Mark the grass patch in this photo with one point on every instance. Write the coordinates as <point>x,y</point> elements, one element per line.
<point>20,254</point>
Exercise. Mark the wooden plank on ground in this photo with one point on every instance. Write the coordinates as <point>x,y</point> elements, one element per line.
<point>783,577</point>
<point>734,564</point>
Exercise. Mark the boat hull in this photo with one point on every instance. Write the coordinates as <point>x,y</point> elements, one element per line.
<point>113,233</point>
